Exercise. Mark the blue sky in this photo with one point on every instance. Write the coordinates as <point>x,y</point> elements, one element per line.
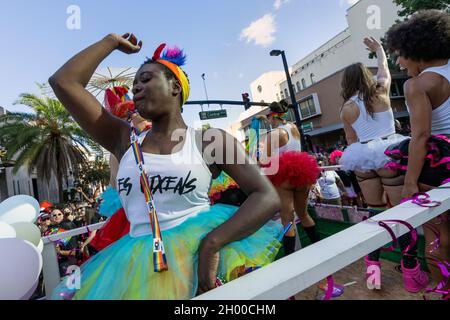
<point>228,40</point>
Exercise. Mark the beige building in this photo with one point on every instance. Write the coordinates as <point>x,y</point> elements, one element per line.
<point>267,87</point>
<point>317,77</point>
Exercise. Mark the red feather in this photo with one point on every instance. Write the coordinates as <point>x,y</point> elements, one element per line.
<point>158,51</point>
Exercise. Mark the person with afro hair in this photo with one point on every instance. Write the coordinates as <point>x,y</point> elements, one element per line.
<point>421,45</point>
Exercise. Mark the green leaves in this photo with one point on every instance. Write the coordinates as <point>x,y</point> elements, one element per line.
<point>46,139</point>
<point>411,6</point>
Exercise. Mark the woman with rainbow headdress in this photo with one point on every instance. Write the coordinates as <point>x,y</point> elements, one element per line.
<point>295,176</point>
<point>178,244</point>
<point>297,173</point>
<point>118,103</point>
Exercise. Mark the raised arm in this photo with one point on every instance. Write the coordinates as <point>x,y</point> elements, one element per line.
<point>69,84</point>
<point>383,75</point>
<point>80,190</point>
<point>261,205</point>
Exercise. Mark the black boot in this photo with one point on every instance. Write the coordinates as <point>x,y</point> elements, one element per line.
<point>312,234</point>
<point>288,245</point>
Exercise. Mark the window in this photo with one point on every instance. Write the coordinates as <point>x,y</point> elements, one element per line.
<point>278,97</point>
<point>286,94</point>
<point>309,107</point>
<point>304,83</point>
<point>259,89</point>
<point>281,95</point>
<point>312,76</point>
<point>299,88</point>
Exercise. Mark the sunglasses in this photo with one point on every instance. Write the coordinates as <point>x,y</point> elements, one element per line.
<point>57,215</point>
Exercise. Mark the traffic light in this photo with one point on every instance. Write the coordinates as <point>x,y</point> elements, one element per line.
<point>246,99</point>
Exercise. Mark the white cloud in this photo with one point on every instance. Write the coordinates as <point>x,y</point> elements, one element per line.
<point>278,3</point>
<point>347,2</point>
<point>260,31</point>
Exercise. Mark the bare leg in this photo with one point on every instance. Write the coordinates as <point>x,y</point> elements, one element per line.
<point>301,206</point>
<point>372,188</point>
<point>393,184</point>
<point>287,208</point>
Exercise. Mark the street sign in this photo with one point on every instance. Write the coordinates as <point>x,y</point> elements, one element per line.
<point>307,127</point>
<point>207,115</point>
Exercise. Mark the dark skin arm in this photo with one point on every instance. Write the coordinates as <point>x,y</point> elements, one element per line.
<point>261,205</point>
<point>420,110</point>
<point>69,84</point>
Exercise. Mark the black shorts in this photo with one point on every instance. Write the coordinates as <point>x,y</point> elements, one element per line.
<point>436,169</point>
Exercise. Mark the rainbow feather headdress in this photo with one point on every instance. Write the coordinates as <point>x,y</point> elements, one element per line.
<point>281,116</point>
<point>174,58</point>
<point>117,101</point>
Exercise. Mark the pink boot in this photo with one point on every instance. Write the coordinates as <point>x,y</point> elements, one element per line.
<point>373,274</point>
<point>414,279</point>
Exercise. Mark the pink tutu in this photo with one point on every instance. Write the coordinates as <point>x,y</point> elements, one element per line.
<point>298,168</point>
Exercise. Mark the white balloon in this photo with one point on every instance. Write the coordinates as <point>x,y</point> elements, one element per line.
<point>40,246</point>
<point>21,208</point>
<point>19,270</point>
<point>6,231</point>
<point>27,231</point>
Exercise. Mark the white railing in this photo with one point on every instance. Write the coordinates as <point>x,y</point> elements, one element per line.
<point>298,271</point>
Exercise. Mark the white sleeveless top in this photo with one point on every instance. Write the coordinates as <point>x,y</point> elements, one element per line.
<point>367,128</point>
<point>179,182</point>
<point>440,123</point>
<point>293,144</point>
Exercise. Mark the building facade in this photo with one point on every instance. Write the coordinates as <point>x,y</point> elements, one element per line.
<point>267,87</point>
<point>317,77</point>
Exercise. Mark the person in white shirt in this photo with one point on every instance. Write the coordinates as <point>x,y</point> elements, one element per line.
<point>331,188</point>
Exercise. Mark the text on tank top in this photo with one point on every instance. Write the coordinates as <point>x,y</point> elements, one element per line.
<point>367,128</point>
<point>179,183</point>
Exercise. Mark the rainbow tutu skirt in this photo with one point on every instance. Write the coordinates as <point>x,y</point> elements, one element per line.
<point>124,270</point>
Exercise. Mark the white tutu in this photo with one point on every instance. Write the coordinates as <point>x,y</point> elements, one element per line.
<point>369,156</point>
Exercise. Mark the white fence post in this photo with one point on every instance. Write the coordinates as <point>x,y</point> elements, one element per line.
<point>50,268</point>
<point>50,258</point>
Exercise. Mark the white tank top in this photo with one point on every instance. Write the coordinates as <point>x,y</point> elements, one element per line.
<point>180,185</point>
<point>293,144</point>
<point>367,128</point>
<point>440,123</point>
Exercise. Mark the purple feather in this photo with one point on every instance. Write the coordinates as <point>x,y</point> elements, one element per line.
<point>174,55</point>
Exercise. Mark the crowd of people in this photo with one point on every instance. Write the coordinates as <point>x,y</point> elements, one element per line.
<point>58,218</point>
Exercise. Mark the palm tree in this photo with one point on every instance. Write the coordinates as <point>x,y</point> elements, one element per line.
<point>47,140</point>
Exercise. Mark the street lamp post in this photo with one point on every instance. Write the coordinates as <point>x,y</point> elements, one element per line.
<point>275,53</point>
<point>204,85</point>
